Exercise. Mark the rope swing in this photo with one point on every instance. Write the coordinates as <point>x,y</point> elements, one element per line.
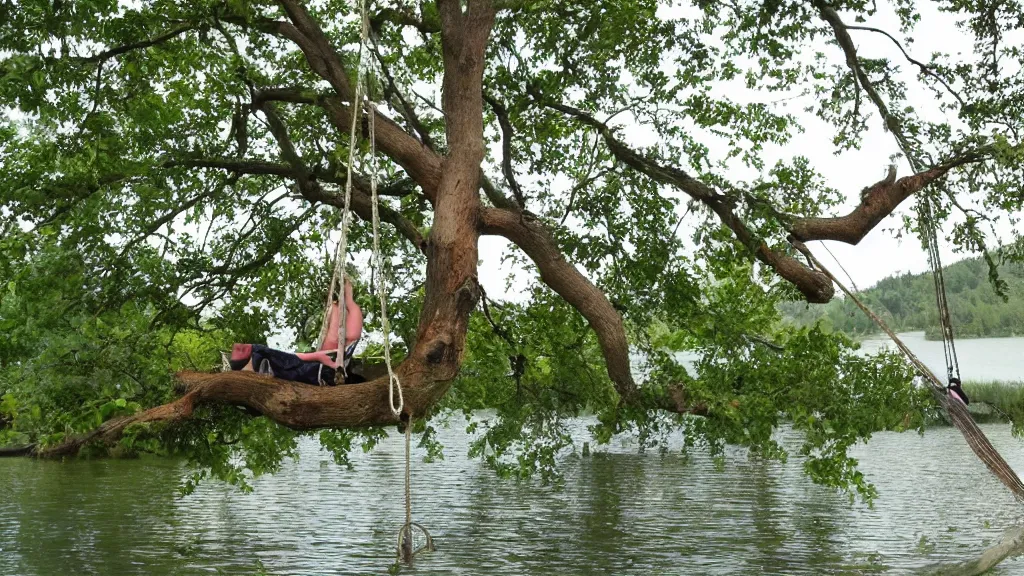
<point>396,400</point>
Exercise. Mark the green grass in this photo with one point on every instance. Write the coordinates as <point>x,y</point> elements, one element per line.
<point>996,400</point>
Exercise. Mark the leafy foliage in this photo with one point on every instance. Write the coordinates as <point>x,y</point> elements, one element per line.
<point>138,237</point>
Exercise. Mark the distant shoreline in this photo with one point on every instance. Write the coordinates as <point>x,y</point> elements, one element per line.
<point>884,336</point>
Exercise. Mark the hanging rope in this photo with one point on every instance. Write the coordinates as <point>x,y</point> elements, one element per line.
<point>956,409</point>
<point>408,475</point>
<point>938,279</point>
<point>341,253</point>
<point>396,398</point>
<point>405,549</point>
<point>378,265</point>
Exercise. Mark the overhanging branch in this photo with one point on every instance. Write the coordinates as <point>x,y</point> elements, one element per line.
<point>570,284</point>
<point>814,285</point>
<point>877,202</point>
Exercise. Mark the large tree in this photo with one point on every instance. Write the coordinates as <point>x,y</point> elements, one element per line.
<point>172,170</point>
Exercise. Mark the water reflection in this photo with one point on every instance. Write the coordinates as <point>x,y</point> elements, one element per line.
<point>618,513</point>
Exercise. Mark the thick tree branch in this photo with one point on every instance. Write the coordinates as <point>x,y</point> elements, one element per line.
<point>284,142</point>
<point>292,404</point>
<point>310,38</point>
<point>566,280</point>
<point>420,162</point>
<point>814,285</point>
<point>569,283</point>
<point>892,122</point>
<point>877,202</point>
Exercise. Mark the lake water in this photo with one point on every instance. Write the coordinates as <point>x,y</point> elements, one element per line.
<point>980,359</point>
<point>618,513</point>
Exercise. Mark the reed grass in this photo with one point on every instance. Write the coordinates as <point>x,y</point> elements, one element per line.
<point>997,400</point>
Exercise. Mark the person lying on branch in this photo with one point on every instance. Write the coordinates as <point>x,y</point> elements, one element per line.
<point>317,368</point>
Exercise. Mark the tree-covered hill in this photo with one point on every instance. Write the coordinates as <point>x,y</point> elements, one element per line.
<point>907,303</point>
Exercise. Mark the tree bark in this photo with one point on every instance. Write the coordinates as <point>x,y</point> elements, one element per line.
<point>572,285</point>
<point>877,202</point>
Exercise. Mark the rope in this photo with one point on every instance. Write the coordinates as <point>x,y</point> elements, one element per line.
<point>337,278</point>
<point>406,552</point>
<point>938,279</point>
<point>408,478</point>
<point>956,410</point>
<point>378,265</point>
<point>341,253</point>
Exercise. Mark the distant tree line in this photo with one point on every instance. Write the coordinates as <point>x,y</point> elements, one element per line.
<point>907,303</point>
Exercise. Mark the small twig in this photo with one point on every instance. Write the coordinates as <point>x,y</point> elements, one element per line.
<point>586,181</point>
<point>102,56</point>
<point>764,342</point>
<point>406,109</point>
<point>925,69</point>
<point>506,148</point>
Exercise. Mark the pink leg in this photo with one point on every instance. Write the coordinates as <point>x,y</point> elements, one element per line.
<point>241,352</point>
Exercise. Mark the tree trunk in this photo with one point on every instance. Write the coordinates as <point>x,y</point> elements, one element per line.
<point>452,290</point>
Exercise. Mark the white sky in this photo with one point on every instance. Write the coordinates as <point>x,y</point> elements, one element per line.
<point>880,253</point>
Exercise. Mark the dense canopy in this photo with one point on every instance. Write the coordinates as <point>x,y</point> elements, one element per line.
<point>172,172</point>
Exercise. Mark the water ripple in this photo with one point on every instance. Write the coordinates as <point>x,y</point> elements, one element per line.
<point>618,513</point>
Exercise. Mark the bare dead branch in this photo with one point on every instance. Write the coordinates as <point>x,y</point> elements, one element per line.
<point>924,68</point>
<point>877,202</point>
